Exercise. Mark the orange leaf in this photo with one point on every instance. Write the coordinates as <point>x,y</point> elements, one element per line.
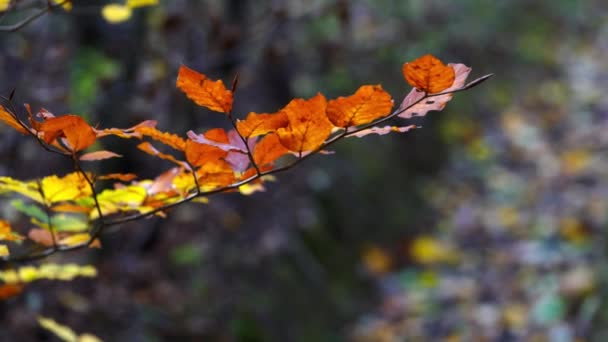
<point>198,154</point>
<point>78,133</point>
<point>210,147</point>
<point>203,91</point>
<point>99,155</point>
<point>71,208</point>
<point>367,104</point>
<point>10,290</point>
<point>125,177</point>
<point>259,124</point>
<point>428,74</point>
<point>268,150</point>
<point>416,107</point>
<point>151,150</point>
<point>166,138</point>
<point>10,120</point>
<point>126,133</point>
<point>6,232</point>
<point>308,125</point>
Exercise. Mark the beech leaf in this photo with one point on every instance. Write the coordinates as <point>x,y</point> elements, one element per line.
<point>203,91</point>
<point>419,107</point>
<point>99,155</point>
<point>428,74</point>
<point>367,104</point>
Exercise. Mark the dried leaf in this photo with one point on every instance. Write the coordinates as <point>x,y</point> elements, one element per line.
<point>308,125</point>
<point>239,160</point>
<point>10,120</point>
<point>260,124</point>
<point>418,107</point>
<point>429,74</point>
<point>367,104</point>
<point>79,135</point>
<point>41,236</point>
<point>382,130</point>
<point>203,91</point>
<point>99,155</point>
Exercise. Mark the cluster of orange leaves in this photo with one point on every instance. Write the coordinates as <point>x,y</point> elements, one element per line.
<point>213,161</point>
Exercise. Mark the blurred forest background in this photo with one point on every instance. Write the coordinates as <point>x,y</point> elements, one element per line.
<point>488,223</point>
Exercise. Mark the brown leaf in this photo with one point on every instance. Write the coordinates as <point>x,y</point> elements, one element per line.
<point>41,236</point>
<point>308,124</point>
<point>428,74</point>
<point>437,103</point>
<point>203,91</point>
<point>99,155</point>
<point>367,104</point>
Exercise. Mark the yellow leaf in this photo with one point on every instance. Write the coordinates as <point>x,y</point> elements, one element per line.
<point>116,13</point>
<point>61,331</point>
<point>4,251</point>
<point>141,3</point>
<point>76,239</point>
<point>4,5</point>
<point>428,250</point>
<point>65,4</point>
<point>65,272</point>
<point>69,187</point>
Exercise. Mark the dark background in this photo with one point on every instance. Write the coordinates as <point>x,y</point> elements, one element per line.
<point>488,223</point>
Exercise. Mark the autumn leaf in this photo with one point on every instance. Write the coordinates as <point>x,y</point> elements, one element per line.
<point>10,290</point>
<point>10,120</point>
<point>4,251</point>
<point>116,13</point>
<point>166,138</point>
<point>367,104</point>
<point>268,150</point>
<point>79,135</point>
<point>382,130</point>
<point>429,74</point>
<point>308,124</point>
<point>99,155</point>
<point>6,233</point>
<point>203,91</point>
<point>126,133</point>
<point>413,105</point>
<point>260,124</point>
<point>239,159</point>
<point>124,177</point>
<point>151,150</point>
